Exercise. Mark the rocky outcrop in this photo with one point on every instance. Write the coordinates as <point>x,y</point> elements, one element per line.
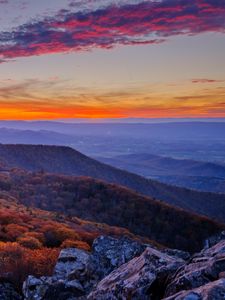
<point>143,277</point>
<point>120,269</point>
<point>77,271</point>
<point>212,291</point>
<point>203,268</point>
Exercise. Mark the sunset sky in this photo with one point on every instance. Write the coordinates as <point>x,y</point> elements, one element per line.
<point>112,59</point>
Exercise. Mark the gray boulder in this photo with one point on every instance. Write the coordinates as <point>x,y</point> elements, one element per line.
<point>70,278</point>
<point>141,278</point>
<point>212,291</point>
<point>109,253</point>
<point>77,271</point>
<point>203,268</point>
<point>71,260</point>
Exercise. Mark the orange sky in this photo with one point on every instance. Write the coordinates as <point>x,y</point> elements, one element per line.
<point>184,100</point>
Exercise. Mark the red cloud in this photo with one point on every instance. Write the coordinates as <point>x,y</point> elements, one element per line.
<point>206,80</point>
<point>147,22</point>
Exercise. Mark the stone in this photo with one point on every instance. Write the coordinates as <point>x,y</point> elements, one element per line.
<point>203,268</point>
<point>109,253</point>
<point>71,260</point>
<point>124,269</point>
<point>211,291</point>
<point>141,278</point>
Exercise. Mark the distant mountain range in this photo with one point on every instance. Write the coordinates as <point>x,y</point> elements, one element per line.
<point>193,174</point>
<point>64,160</point>
<point>155,165</point>
<point>27,136</point>
<point>171,130</point>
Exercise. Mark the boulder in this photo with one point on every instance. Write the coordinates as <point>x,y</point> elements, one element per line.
<point>70,278</point>
<point>51,288</point>
<point>211,291</point>
<point>109,253</point>
<point>126,269</point>
<point>143,277</point>
<point>203,268</point>
<point>71,260</point>
<point>34,288</point>
<point>213,240</point>
<point>77,271</point>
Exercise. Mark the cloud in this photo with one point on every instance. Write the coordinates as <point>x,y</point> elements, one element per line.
<point>146,22</point>
<point>204,80</point>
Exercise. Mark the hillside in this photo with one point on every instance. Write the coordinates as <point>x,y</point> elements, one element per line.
<point>64,160</point>
<point>15,136</point>
<point>203,176</point>
<point>30,238</point>
<point>101,202</point>
<point>148,164</point>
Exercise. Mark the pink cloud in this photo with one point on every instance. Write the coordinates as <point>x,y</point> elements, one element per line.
<point>147,22</point>
<point>204,80</point>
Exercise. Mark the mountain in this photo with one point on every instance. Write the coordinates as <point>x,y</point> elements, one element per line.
<point>101,202</point>
<point>200,183</point>
<point>16,136</point>
<point>188,173</point>
<point>191,140</point>
<point>169,131</point>
<point>65,160</point>
<point>155,165</point>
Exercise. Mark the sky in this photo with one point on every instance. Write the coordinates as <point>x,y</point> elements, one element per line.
<point>66,59</point>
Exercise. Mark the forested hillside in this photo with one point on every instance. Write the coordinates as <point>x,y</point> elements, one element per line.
<point>101,202</point>
<point>65,160</point>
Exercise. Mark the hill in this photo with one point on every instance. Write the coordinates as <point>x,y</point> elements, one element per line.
<point>204,176</point>
<point>149,164</point>
<point>101,202</point>
<point>172,130</point>
<point>15,136</point>
<point>31,239</point>
<point>65,160</point>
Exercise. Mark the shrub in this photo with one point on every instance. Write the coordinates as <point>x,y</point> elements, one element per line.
<point>17,262</point>
<point>76,244</point>
<point>29,242</point>
<point>56,235</point>
<point>14,231</point>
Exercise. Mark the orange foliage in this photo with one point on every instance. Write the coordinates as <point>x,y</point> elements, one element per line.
<point>18,262</point>
<point>29,242</point>
<point>76,244</point>
<point>13,231</point>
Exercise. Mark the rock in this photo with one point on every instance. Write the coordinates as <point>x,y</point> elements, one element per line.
<point>177,253</point>
<point>71,260</point>
<point>109,253</point>
<point>125,269</point>
<point>50,288</point>
<point>141,278</point>
<point>203,268</point>
<point>71,268</point>
<point>8,292</point>
<point>34,288</point>
<point>212,291</point>
<point>77,271</point>
<point>214,240</point>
